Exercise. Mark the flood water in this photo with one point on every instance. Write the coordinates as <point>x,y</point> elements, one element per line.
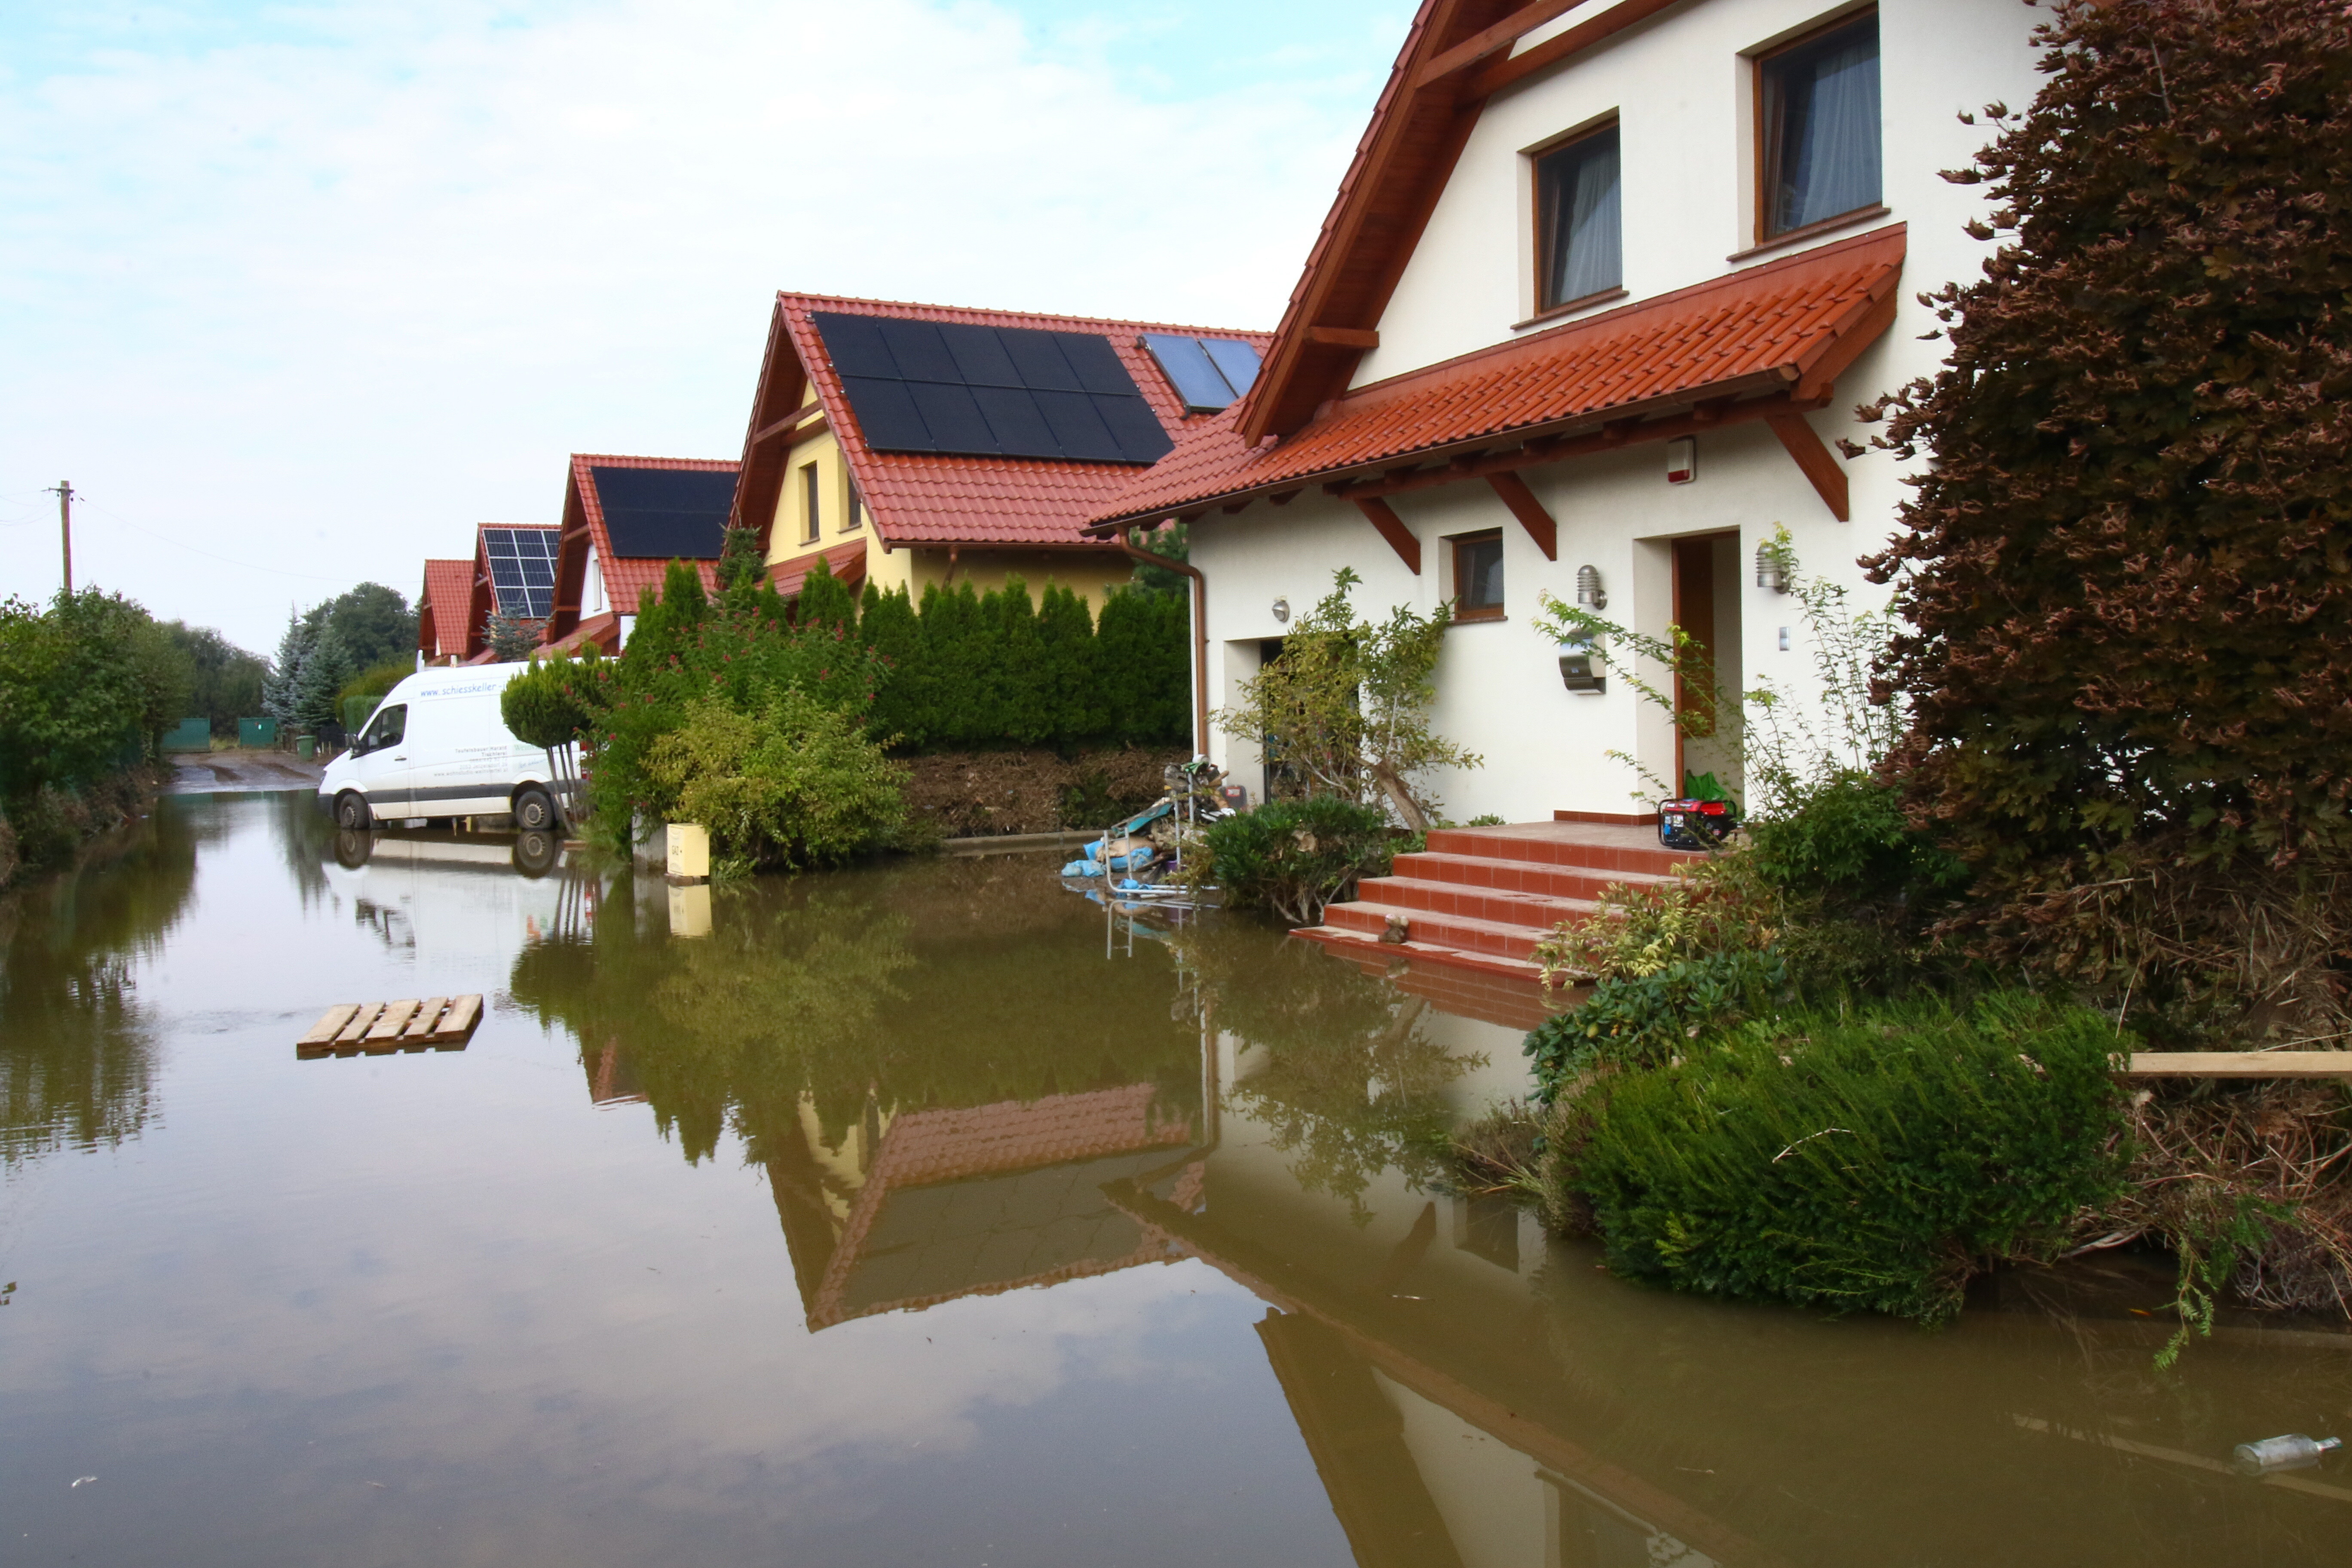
<point>928,1214</point>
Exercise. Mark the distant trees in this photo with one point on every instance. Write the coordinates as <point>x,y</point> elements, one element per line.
<point>223,679</point>
<point>328,645</point>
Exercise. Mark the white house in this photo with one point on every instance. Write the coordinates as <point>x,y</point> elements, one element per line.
<point>1601,289</point>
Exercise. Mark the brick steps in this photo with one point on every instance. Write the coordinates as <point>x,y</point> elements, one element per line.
<point>1480,899</point>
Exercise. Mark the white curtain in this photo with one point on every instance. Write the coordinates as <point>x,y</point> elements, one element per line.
<point>1587,247</point>
<point>1829,132</point>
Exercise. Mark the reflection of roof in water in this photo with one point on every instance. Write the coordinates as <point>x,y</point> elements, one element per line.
<point>973,1202</point>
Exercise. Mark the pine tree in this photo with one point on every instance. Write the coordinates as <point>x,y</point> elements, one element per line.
<point>740,565</point>
<point>1025,705</point>
<point>889,625</point>
<point>1065,638</point>
<point>317,695</point>
<point>825,600</point>
<point>960,699</point>
<point>282,687</point>
<point>669,623</point>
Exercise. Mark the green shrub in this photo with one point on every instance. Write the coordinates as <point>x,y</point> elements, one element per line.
<point>1640,1020</point>
<point>1293,856</point>
<point>794,784</point>
<point>1845,839</point>
<point>1870,1160</point>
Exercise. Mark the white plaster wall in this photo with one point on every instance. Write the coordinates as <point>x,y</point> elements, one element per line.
<point>1679,86</point>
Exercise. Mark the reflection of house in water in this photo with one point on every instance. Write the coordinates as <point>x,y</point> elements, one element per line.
<point>911,1210</point>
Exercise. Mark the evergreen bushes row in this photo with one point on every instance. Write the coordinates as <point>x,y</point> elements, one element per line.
<point>969,670</point>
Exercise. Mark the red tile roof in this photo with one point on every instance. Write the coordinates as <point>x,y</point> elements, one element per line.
<point>626,577</point>
<point>1767,329</point>
<point>924,499</point>
<point>445,609</point>
<point>846,561</point>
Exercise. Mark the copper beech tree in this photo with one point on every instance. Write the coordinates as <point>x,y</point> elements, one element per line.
<point>2128,573</point>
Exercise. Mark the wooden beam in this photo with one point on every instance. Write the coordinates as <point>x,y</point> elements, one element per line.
<point>1345,337</point>
<point>1530,513</point>
<point>1493,40</point>
<point>1814,458</point>
<point>1500,74</point>
<point>792,422</point>
<point>1401,539</point>
<point>2241,1064</point>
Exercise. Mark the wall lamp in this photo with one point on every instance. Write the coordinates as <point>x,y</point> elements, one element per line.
<point>1281,611</point>
<point>1589,591</point>
<point>1773,563</point>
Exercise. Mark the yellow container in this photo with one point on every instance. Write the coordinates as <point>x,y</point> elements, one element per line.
<point>688,853</point>
<point>689,909</point>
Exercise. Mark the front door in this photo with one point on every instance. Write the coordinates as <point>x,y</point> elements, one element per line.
<point>380,762</point>
<point>1706,693</point>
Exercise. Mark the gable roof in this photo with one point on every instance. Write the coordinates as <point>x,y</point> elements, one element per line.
<point>1456,55</point>
<point>677,521</point>
<point>445,609</point>
<point>1763,341</point>
<point>925,497</point>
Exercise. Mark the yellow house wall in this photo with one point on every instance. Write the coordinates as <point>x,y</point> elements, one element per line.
<point>1091,574</point>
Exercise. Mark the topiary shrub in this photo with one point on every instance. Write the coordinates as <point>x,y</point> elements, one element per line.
<point>1293,856</point>
<point>1872,1161</point>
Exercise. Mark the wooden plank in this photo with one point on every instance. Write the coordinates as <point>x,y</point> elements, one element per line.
<point>1491,41</point>
<point>361,1021</point>
<point>420,1028</point>
<point>2241,1064</point>
<point>385,1035</point>
<point>1500,74</point>
<point>331,1023</point>
<point>1813,459</point>
<point>464,1012</point>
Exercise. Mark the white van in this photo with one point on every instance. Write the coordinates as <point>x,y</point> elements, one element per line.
<point>437,746</point>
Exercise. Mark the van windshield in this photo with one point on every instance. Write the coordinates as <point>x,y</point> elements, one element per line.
<point>384,729</point>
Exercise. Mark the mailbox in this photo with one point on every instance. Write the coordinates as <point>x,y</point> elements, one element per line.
<point>1581,667</point>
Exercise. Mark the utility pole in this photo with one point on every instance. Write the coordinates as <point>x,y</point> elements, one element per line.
<point>63,489</point>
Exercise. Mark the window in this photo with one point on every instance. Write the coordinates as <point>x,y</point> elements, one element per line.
<point>812,517</point>
<point>1817,124</point>
<point>856,510</point>
<point>384,729</point>
<point>1478,576</point>
<point>1579,240</point>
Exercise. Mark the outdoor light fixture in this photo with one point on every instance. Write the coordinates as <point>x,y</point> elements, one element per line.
<point>1681,460</point>
<point>1589,591</point>
<point>1771,568</point>
<point>1282,610</point>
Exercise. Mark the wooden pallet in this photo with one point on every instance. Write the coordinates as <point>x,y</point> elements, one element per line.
<point>379,1028</point>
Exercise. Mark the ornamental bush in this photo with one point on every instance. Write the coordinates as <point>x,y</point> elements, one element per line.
<point>1293,856</point>
<point>790,785</point>
<point>1867,1160</point>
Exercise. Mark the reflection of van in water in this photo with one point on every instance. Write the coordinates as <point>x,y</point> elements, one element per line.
<point>437,746</point>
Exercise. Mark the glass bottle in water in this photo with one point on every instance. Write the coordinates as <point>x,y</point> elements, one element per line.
<point>2292,1452</point>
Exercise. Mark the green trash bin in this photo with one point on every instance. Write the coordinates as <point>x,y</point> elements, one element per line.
<point>306,747</point>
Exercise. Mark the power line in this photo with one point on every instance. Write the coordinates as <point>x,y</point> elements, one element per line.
<point>210,554</point>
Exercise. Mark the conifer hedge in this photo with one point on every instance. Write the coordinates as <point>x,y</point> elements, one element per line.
<point>967,670</point>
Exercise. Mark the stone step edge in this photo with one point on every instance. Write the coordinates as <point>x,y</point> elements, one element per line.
<point>1596,873</point>
<point>1422,952</point>
<point>1563,906</point>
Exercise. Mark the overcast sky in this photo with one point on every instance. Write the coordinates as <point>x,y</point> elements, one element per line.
<point>297,294</point>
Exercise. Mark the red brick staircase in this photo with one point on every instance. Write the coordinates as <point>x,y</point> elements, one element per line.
<point>1481,898</point>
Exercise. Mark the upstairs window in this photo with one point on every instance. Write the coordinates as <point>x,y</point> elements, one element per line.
<point>1478,576</point>
<point>811,513</point>
<point>1580,237</point>
<point>856,510</point>
<point>1817,105</point>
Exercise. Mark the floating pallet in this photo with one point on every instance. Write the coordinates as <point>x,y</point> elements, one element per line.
<point>379,1028</point>
<point>2241,1064</point>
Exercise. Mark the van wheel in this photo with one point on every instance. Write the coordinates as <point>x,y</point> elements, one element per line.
<point>534,810</point>
<point>352,813</point>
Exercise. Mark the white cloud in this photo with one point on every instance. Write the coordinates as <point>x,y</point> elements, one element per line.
<point>321,302</point>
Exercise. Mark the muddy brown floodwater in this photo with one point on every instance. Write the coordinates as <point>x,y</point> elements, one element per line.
<point>928,1214</point>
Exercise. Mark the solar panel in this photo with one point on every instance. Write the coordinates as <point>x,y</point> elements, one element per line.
<point>522,570</point>
<point>1208,373</point>
<point>1001,392</point>
<point>662,514</point>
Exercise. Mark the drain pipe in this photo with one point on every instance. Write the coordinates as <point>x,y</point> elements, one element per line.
<point>1200,636</point>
